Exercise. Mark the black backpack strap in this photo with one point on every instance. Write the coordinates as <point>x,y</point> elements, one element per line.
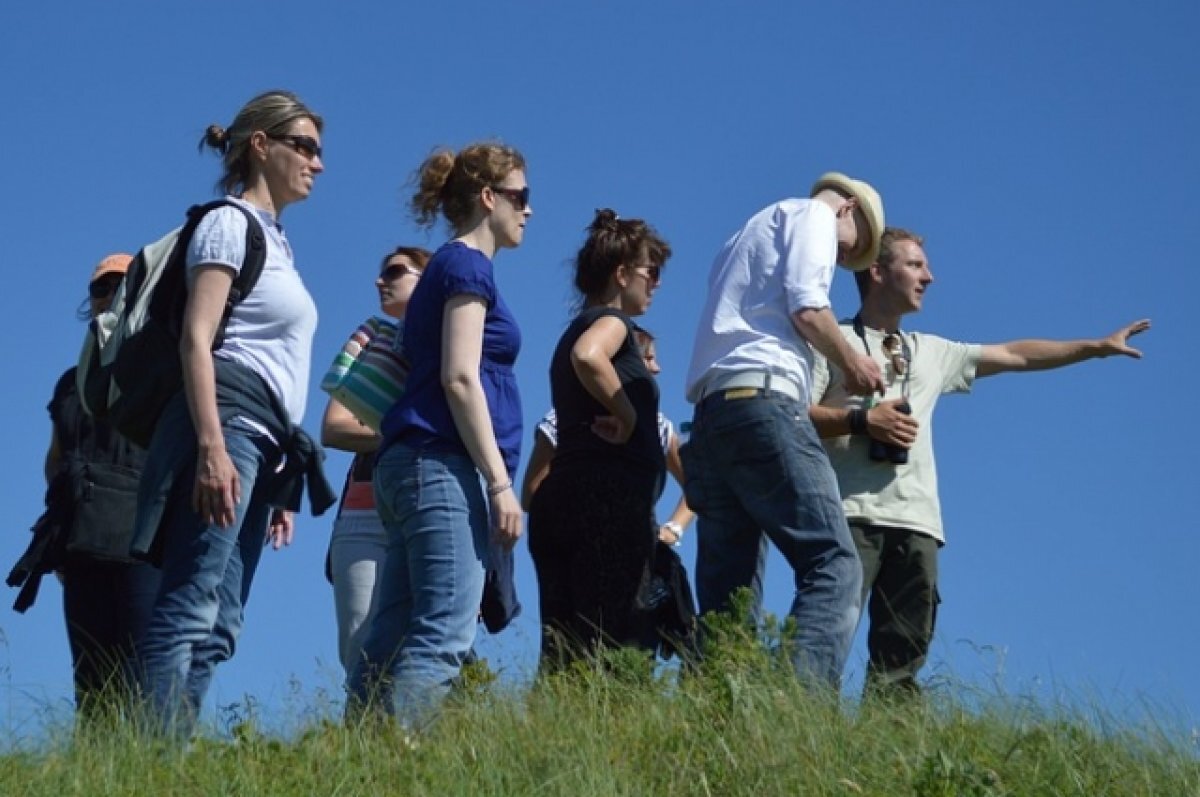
<point>252,266</point>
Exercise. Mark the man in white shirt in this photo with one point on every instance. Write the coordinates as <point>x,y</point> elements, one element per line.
<point>883,453</point>
<point>754,465</point>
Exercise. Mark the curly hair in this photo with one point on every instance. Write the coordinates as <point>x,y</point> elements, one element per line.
<point>449,183</point>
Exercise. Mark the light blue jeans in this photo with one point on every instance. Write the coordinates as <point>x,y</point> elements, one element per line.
<point>206,575</point>
<point>357,551</point>
<point>433,508</point>
<point>756,468</point>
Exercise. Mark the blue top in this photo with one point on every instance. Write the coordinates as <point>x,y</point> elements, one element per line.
<point>421,418</point>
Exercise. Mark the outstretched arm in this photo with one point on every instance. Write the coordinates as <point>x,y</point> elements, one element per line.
<point>1042,355</point>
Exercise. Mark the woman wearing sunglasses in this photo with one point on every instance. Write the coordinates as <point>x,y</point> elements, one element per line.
<point>591,530</point>
<point>217,447</point>
<point>107,596</point>
<point>359,542</point>
<point>545,440</point>
<point>458,421</point>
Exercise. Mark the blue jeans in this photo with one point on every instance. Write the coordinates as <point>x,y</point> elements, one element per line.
<point>756,468</point>
<point>433,508</point>
<point>206,575</point>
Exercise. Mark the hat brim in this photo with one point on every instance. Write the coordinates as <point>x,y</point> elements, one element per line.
<point>871,206</point>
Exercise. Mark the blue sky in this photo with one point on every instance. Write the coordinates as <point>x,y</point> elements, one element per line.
<point>1048,154</point>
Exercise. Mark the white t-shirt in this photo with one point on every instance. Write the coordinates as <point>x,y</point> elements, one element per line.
<point>782,261</point>
<point>882,493</point>
<point>271,330</point>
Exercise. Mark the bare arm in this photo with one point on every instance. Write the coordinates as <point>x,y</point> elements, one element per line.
<point>591,359</point>
<point>217,488</point>
<point>341,430</point>
<point>820,328</point>
<point>537,470</point>
<point>1042,355</point>
<point>462,351</point>
<point>683,514</point>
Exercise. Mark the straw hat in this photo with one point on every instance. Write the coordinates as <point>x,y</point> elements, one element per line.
<point>872,208</point>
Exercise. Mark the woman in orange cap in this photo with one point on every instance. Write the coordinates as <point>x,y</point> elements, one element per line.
<point>107,596</point>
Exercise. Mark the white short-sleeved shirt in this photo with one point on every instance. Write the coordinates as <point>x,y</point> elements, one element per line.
<point>782,261</point>
<point>271,330</point>
<point>882,493</point>
<point>548,427</point>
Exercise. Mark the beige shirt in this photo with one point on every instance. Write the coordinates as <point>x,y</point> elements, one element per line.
<point>883,493</point>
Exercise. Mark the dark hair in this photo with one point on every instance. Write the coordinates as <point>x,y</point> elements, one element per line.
<point>450,183</point>
<point>272,112</point>
<point>891,236</point>
<point>611,243</point>
<point>419,257</point>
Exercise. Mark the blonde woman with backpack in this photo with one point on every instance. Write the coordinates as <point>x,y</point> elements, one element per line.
<point>212,484</point>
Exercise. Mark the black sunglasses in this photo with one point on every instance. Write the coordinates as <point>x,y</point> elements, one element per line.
<point>396,271</point>
<point>653,272</point>
<point>105,286</point>
<point>518,196</point>
<point>305,145</point>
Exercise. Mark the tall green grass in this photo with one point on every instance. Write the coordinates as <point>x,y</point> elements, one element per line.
<point>739,725</point>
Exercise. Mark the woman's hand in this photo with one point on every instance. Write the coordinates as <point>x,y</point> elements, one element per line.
<point>281,528</point>
<point>218,489</point>
<point>613,429</point>
<point>505,513</point>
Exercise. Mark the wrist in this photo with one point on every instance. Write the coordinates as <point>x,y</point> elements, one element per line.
<point>675,529</point>
<point>494,490</point>
<point>858,421</point>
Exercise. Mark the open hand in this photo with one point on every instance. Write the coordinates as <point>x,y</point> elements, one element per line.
<point>1118,342</point>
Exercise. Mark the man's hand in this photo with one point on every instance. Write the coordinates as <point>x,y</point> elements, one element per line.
<point>888,424</point>
<point>1118,342</point>
<point>862,376</point>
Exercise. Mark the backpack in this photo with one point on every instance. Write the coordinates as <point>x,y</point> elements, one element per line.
<point>129,367</point>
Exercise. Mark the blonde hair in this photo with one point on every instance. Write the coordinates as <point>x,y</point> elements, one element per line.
<point>272,112</point>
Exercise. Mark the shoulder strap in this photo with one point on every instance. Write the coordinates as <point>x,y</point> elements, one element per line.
<point>252,266</point>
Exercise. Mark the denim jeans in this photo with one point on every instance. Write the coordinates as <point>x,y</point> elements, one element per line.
<point>357,551</point>
<point>433,508</point>
<point>206,575</point>
<point>755,467</point>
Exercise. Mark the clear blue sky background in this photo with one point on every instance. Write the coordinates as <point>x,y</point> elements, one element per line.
<point>1047,151</point>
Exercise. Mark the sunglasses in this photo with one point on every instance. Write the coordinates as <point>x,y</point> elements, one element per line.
<point>893,347</point>
<point>104,287</point>
<point>653,273</point>
<point>518,196</point>
<point>305,145</point>
<point>396,270</point>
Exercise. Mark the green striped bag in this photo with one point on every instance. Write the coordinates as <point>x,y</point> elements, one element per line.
<point>368,374</point>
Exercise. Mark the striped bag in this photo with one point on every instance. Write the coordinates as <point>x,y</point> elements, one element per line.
<point>368,374</point>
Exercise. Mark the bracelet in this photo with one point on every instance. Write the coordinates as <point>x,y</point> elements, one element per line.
<point>858,421</point>
<point>674,527</point>
<point>499,488</point>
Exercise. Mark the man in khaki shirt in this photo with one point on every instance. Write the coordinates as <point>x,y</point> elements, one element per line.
<point>882,451</point>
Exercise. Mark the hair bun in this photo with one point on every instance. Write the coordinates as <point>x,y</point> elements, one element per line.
<point>606,219</point>
<point>217,137</point>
